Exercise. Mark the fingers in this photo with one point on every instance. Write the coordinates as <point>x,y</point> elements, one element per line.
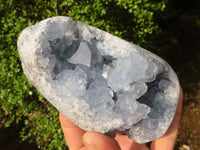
<point>168,141</point>
<point>78,139</point>
<point>73,134</point>
<point>128,144</point>
<point>97,141</point>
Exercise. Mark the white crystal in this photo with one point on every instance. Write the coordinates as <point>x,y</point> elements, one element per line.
<point>127,70</point>
<point>82,56</point>
<point>126,102</point>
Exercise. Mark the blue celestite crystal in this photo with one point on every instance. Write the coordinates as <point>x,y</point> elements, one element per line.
<point>99,81</point>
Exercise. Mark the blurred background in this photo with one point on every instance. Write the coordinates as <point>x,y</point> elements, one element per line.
<point>169,28</point>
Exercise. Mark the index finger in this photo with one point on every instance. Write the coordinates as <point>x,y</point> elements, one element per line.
<point>73,134</point>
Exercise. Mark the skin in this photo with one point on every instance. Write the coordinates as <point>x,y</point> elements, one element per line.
<point>79,139</point>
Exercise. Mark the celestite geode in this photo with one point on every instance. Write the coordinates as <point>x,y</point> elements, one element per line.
<point>99,81</point>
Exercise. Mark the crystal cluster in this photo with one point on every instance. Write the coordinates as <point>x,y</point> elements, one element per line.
<point>99,81</point>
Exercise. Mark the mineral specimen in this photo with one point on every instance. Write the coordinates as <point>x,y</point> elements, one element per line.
<point>99,81</point>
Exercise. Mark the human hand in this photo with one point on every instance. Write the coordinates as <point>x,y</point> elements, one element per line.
<point>79,139</point>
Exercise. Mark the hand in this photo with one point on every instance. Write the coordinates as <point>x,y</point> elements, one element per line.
<point>79,139</point>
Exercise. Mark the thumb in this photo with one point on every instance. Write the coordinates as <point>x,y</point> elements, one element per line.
<point>98,141</point>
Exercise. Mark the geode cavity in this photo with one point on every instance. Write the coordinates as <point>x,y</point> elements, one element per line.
<point>99,81</point>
